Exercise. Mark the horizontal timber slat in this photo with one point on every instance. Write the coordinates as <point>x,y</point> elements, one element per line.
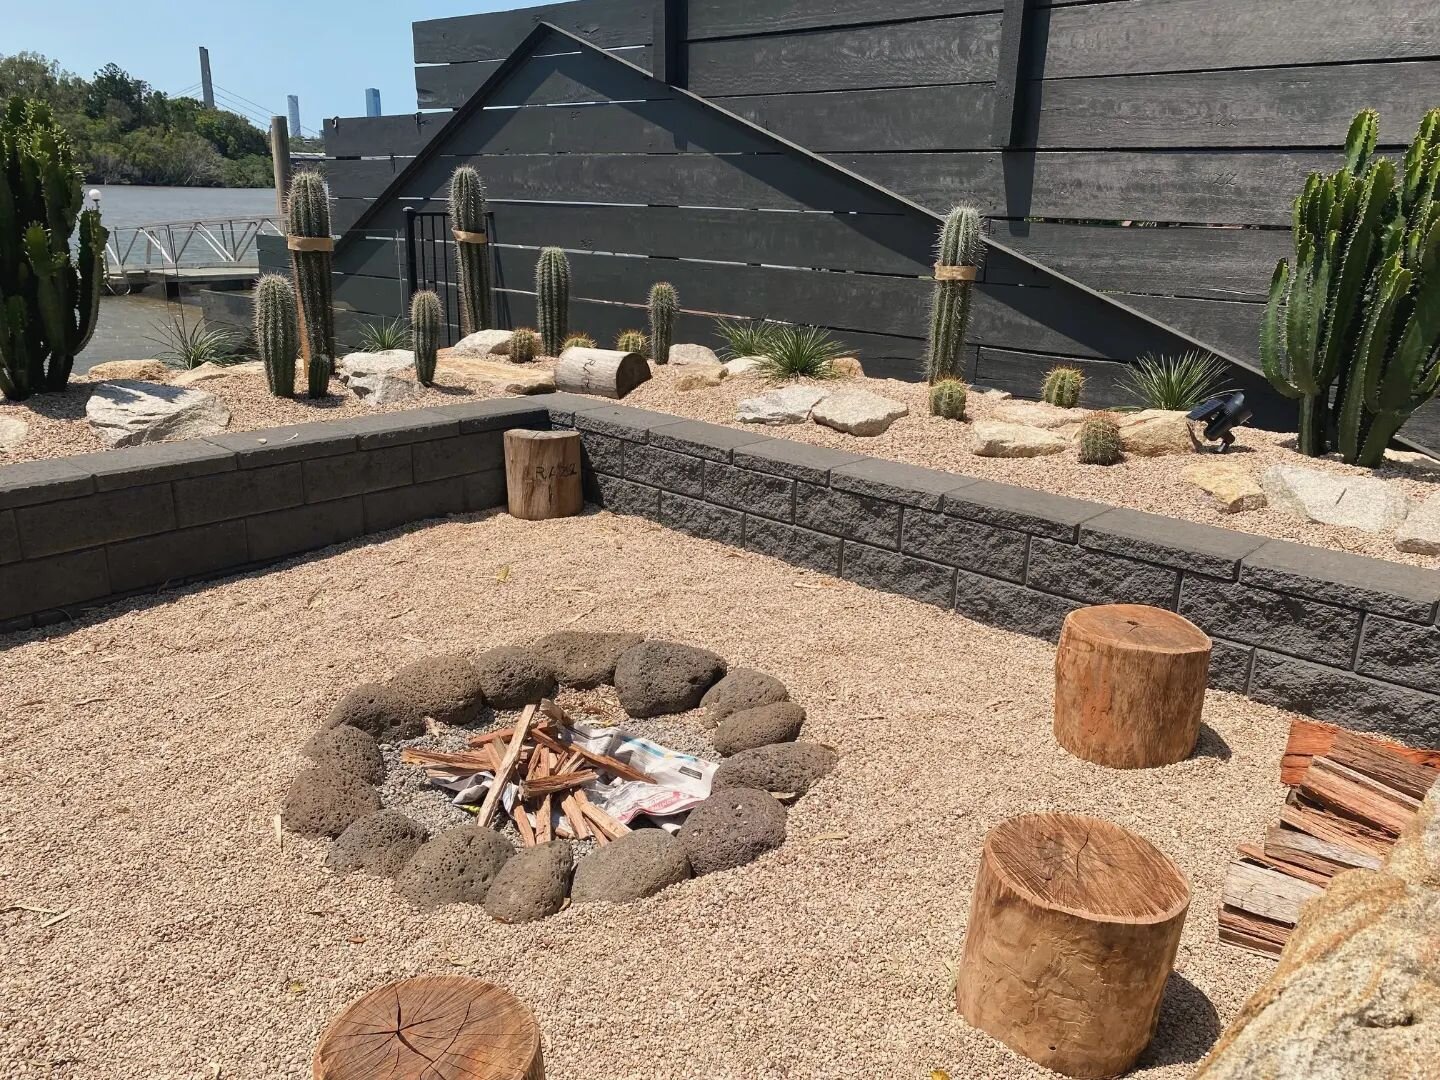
<point>914,118</point>
<point>492,36</point>
<point>734,18</point>
<point>357,136</point>
<point>558,79</point>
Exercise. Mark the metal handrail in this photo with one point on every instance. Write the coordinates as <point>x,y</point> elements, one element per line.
<point>219,242</point>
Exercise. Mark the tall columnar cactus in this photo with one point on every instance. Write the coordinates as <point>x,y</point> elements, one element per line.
<point>307,224</point>
<point>947,399</point>
<point>632,341</point>
<point>49,298</point>
<point>664,305</point>
<point>957,260</point>
<point>1062,387</point>
<point>472,254</point>
<point>552,299</point>
<point>277,332</point>
<point>425,332</point>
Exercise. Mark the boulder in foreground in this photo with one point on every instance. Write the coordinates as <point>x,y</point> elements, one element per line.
<point>130,413</point>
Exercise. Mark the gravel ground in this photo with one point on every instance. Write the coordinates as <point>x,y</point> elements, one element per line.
<point>146,750</point>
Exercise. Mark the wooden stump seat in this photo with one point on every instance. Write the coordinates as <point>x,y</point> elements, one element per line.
<point>542,474</point>
<point>1073,931</point>
<point>604,373</point>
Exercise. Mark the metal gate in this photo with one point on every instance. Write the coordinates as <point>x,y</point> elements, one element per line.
<point>430,264</point>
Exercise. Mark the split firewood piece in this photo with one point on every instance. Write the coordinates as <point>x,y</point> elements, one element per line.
<point>1308,818</point>
<point>551,785</point>
<point>1358,796</point>
<point>563,828</point>
<point>556,713</point>
<point>1269,893</point>
<point>583,802</point>
<point>1384,764</point>
<point>502,733</point>
<point>1311,738</point>
<point>495,751</point>
<point>507,766</point>
<point>537,760</point>
<point>522,825</point>
<point>575,817</point>
<point>602,821</point>
<point>544,822</point>
<point>454,762</point>
<point>1253,932</point>
<point>570,764</point>
<point>604,762</point>
<point>1319,855</point>
<point>1258,855</point>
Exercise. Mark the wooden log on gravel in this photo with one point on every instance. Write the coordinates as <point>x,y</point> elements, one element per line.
<point>447,1026</point>
<point>542,474</point>
<point>1130,685</point>
<point>1073,931</point>
<point>600,372</point>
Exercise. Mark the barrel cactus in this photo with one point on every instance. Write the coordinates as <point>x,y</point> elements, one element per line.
<point>277,332</point>
<point>425,332</point>
<point>472,254</point>
<point>578,341</point>
<point>632,341</point>
<point>1098,440</point>
<point>947,399</point>
<point>307,225</point>
<point>552,299</point>
<point>958,254</point>
<point>664,305</point>
<point>1062,387</point>
<point>524,345</point>
<point>49,295</point>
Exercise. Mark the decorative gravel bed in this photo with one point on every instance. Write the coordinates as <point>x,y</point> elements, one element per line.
<point>146,749</point>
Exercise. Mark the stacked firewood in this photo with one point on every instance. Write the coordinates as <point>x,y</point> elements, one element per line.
<point>1350,797</point>
<point>550,774</point>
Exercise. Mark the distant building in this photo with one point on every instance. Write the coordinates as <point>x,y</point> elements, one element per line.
<point>372,102</point>
<point>294,103</point>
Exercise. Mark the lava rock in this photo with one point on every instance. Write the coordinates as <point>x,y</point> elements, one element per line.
<point>379,843</point>
<point>761,726</point>
<point>656,678</point>
<point>532,885</point>
<point>584,658</point>
<point>732,827</point>
<point>457,866</point>
<point>348,750</point>
<point>514,677</point>
<point>743,688</point>
<point>637,865</point>
<point>784,767</point>
<point>379,711</point>
<point>323,801</point>
<point>446,688</point>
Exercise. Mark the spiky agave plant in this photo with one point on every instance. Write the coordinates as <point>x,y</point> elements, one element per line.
<point>472,251</point>
<point>307,226</point>
<point>552,299</point>
<point>425,329</point>
<point>1174,382</point>
<point>744,337</point>
<point>277,332</point>
<point>800,352</point>
<point>958,253</point>
<point>664,304</point>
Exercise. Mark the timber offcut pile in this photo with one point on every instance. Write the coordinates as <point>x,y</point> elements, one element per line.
<point>1350,796</point>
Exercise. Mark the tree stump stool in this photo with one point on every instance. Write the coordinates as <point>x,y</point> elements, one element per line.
<point>435,1027</point>
<point>1130,685</point>
<point>601,372</point>
<point>542,474</point>
<point>1073,931</point>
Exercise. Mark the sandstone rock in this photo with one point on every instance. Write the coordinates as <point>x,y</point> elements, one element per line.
<point>990,393</point>
<point>12,432</point>
<point>210,371</point>
<point>446,688</point>
<point>1155,433</point>
<point>699,380</point>
<point>656,678</point>
<point>1232,488</point>
<point>1420,532</point>
<point>742,365</point>
<point>532,885</point>
<point>857,412</point>
<point>1037,414</point>
<point>348,750</point>
<point>585,658</point>
<point>681,355</point>
<point>787,405</point>
<point>386,361</point>
<point>129,413</point>
<point>143,370</point>
<point>760,726</point>
<point>742,688</point>
<point>457,866</point>
<point>780,767</point>
<point>379,378</point>
<point>996,439</point>
<point>484,343</point>
<point>379,711</point>
<point>504,376</point>
<point>732,827</point>
<point>323,801</point>
<point>380,843</point>
<point>383,389</point>
<point>514,677</point>
<point>639,864</point>
<point>1358,502</point>
<point>847,367</point>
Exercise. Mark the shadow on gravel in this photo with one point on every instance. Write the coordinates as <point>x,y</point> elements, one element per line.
<point>1189,1026</point>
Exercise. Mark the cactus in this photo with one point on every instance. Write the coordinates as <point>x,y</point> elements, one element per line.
<point>632,341</point>
<point>1099,440</point>
<point>467,215</point>
<point>425,332</point>
<point>277,332</point>
<point>578,341</point>
<point>947,399</point>
<point>307,214</point>
<point>959,245</point>
<point>664,304</point>
<point>552,299</point>
<point>1062,387</point>
<point>49,298</point>
<point>524,344</point>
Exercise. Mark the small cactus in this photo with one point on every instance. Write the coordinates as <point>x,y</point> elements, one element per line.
<point>664,303</point>
<point>425,332</point>
<point>1099,440</point>
<point>1062,387</point>
<point>959,245</point>
<point>947,399</point>
<point>578,341</point>
<point>524,344</point>
<point>277,332</point>
<point>467,214</point>
<point>632,341</point>
<point>307,214</point>
<point>552,299</point>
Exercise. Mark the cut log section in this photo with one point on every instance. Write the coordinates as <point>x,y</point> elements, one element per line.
<point>1073,931</point>
<point>1130,685</point>
<point>600,372</point>
<point>432,1027</point>
<point>542,474</point>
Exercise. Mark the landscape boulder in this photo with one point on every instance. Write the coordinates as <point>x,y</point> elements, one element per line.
<point>1036,414</point>
<point>457,866</point>
<point>380,843</point>
<point>847,367</point>
<point>12,432</point>
<point>532,885</point>
<point>585,658</point>
<point>514,676</point>
<point>742,365</point>
<point>637,865</point>
<point>447,688</point>
<point>702,379</point>
<point>742,688</point>
<point>760,726</point>
<point>1004,440</point>
<point>323,801</point>
<point>380,711</point>
<point>786,405</point>
<point>130,413</point>
<point>501,375</point>
<point>656,678</point>
<point>210,371</point>
<point>734,826</point>
<point>1231,488</point>
<point>857,412</point>
<point>792,767</point>
<point>484,343</point>
<point>143,370</point>
<point>1420,532</point>
<point>683,355</point>
<point>1155,433</point>
<point>379,378</point>
<point>1356,502</point>
<point>348,750</point>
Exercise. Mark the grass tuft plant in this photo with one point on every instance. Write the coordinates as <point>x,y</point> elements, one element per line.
<point>947,399</point>
<point>1177,383</point>
<point>552,299</point>
<point>384,336</point>
<point>186,344</point>
<point>664,305</point>
<point>1099,440</point>
<point>277,332</point>
<point>1062,387</point>
<point>578,341</point>
<point>524,345</point>
<point>425,321</point>
<point>745,337</point>
<point>800,352</point>
<point>957,257</point>
<point>632,341</point>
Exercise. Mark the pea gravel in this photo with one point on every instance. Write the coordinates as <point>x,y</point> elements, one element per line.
<point>146,750</point>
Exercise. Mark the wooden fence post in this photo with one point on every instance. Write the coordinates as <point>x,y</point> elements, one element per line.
<point>1008,124</point>
<point>667,47</point>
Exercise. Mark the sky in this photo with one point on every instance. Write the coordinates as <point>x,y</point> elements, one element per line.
<point>327,51</point>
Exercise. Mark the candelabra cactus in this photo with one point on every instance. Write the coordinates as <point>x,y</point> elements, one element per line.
<point>49,298</point>
<point>578,341</point>
<point>552,299</point>
<point>632,341</point>
<point>425,332</point>
<point>307,225</point>
<point>958,254</point>
<point>472,254</point>
<point>664,304</point>
<point>1099,441</point>
<point>1062,387</point>
<point>524,344</point>
<point>947,399</point>
<point>277,332</point>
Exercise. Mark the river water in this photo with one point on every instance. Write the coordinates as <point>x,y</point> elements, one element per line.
<point>122,205</point>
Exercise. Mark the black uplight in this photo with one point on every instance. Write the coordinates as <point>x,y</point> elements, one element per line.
<point>1220,415</point>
